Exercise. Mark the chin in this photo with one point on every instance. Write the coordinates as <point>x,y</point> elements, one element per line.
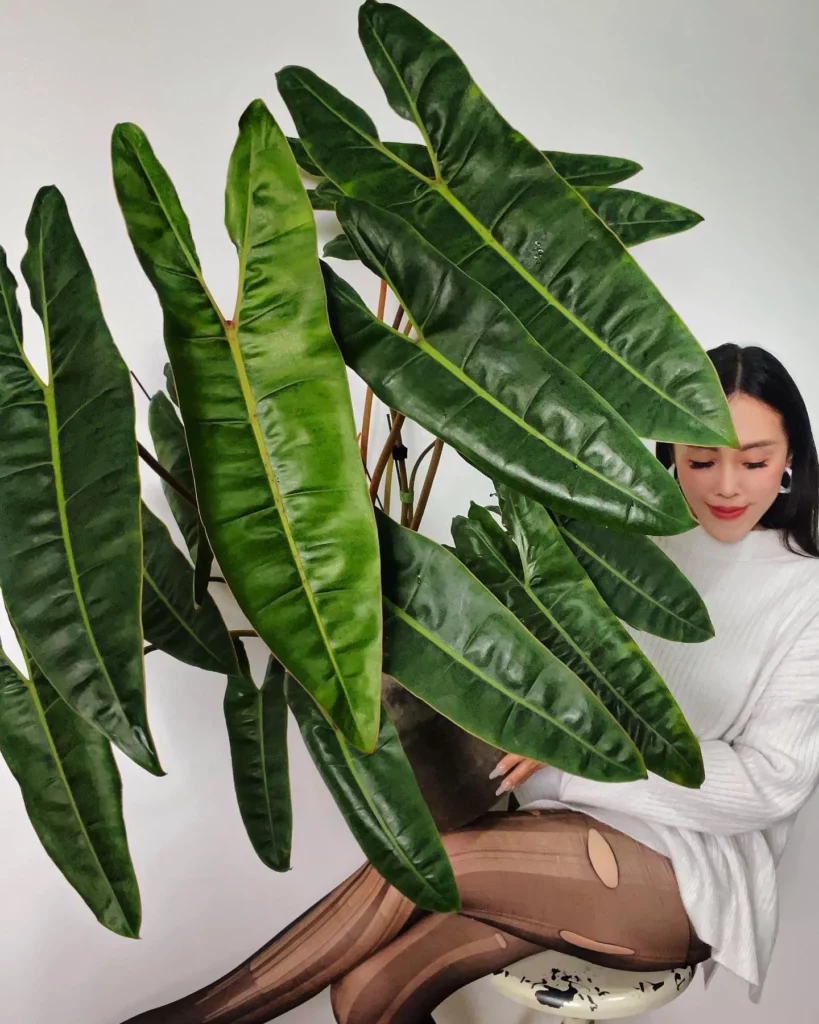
<point>727,532</point>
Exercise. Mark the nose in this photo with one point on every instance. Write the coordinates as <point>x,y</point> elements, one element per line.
<point>727,486</point>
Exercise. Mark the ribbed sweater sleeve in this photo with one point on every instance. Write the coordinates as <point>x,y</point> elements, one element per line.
<point>763,777</point>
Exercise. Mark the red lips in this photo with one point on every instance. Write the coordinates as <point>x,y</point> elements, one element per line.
<point>727,511</point>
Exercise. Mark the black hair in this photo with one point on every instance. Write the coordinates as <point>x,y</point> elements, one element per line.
<point>755,372</point>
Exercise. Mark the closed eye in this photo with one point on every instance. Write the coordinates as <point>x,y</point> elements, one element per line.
<point>756,465</point>
<point>701,465</point>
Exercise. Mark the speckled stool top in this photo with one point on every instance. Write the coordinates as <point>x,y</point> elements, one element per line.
<point>566,986</point>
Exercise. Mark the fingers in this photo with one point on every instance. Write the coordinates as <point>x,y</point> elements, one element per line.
<point>519,770</point>
<point>505,764</point>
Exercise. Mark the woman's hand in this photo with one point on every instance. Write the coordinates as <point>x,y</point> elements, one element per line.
<point>517,770</point>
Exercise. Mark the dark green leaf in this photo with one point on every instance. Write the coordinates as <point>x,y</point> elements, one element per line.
<point>70,538</point>
<point>196,635</point>
<point>73,795</point>
<point>257,729</point>
<point>526,419</point>
<point>268,418</point>
<point>324,196</point>
<point>301,157</point>
<point>635,217</point>
<point>579,169</point>
<point>169,384</point>
<point>639,582</point>
<point>449,641</point>
<point>557,602</point>
<point>168,436</point>
<point>382,805</point>
<point>339,248</point>
<point>499,210</point>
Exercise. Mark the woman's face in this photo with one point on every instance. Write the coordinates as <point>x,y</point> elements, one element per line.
<point>730,490</point>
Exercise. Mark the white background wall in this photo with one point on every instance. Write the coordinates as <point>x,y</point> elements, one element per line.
<point>717,98</point>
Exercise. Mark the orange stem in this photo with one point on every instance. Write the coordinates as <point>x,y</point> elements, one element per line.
<point>386,453</point>
<point>432,469</point>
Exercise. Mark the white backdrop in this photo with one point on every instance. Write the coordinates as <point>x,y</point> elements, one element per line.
<point>716,98</point>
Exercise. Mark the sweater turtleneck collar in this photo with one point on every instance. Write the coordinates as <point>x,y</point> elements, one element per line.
<point>757,546</point>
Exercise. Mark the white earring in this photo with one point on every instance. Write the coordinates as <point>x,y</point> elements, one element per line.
<point>787,481</point>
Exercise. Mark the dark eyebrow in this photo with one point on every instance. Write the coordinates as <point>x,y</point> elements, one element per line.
<point>744,448</point>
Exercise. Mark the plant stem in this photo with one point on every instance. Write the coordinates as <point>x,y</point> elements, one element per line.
<point>417,465</point>
<point>383,458</point>
<point>160,471</point>
<point>243,632</point>
<point>149,649</point>
<point>420,508</point>
<point>139,385</point>
<point>388,484</point>
<point>368,398</point>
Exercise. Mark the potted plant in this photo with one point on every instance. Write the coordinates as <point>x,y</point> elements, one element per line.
<point>533,345</point>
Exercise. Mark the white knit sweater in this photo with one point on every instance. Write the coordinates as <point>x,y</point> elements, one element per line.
<point>751,695</point>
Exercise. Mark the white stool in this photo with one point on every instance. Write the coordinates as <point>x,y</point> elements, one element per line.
<point>572,989</point>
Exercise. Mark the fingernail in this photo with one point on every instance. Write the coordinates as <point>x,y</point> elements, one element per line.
<point>502,788</point>
<point>499,770</point>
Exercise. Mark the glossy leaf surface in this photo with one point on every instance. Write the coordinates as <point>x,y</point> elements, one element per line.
<point>576,168</point>
<point>171,448</point>
<point>73,795</point>
<point>172,622</point>
<point>256,719</point>
<point>547,589</point>
<point>632,216</point>
<point>382,805</point>
<point>639,582</point>
<point>497,208</point>
<point>452,643</point>
<point>635,217</point>
<point>70,538</point>
<point>268,419</point>
<point>525,418</point>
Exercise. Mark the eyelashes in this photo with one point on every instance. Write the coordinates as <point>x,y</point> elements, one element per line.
<point>708,465</point>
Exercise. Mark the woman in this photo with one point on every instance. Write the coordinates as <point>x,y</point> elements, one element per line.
<point>641,874</point>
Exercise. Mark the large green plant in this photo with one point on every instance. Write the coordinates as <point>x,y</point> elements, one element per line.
<point>534,346</point>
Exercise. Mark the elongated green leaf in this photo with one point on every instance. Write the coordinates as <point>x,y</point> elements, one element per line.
<point>452,643</point>
<point>340,248</point>
<point>639,582</point>
<point>635,217</point>
<point>497,208</point>
<point>70,538</point>
<point>382,805</point>
<point>268,418</point>
<point>172,622</point>
<point>576,168</point>
<point>168,436</point>
<point>526,419</point>
<point>170,384</point>
<point>547,589</point>
<point>324,196</point>
<point>73,795</point>
<point>632,216</point>
<point>257,729</point>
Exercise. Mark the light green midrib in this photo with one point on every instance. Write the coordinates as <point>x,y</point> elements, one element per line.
<point>441,187</point>
<point>415,625</point>
<point>425,346</point>
<point>232,335</point>
<point>631,586</point>
<point>375,812</point>
<point>246,392</point>
<point>585,657</point>
<point>53,435</point>
<point>70,795</point>
<point>194,636</point>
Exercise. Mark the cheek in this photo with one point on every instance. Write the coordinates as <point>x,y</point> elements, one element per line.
<point>765,483</point>
<point>696,484</point>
